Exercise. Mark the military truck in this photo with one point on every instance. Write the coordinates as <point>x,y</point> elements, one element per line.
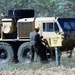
<point>16,27</point>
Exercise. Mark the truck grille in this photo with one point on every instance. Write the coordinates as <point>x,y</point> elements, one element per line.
<point>24,29</point>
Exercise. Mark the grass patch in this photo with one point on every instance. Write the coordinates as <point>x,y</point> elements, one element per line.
<point>23,66</point>
<point>65,61</point>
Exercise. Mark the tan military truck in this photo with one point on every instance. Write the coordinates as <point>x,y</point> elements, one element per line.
<point>15,40</point>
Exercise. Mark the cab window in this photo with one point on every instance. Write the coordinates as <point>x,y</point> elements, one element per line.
<point>56,28</point>
<point>50,27</point>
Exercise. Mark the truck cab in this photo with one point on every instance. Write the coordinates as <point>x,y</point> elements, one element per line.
<point>65,27</point>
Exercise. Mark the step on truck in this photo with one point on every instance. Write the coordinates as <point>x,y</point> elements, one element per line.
<point>15,40</point>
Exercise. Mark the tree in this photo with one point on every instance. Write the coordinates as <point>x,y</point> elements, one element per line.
<point>60,8</point>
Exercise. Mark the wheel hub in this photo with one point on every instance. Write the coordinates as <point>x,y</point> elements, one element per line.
<point>3,54</point>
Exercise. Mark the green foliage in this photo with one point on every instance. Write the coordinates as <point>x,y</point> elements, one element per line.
<point>60,8</point>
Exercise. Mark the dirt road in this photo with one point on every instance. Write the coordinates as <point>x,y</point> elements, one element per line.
<point>43,71</point>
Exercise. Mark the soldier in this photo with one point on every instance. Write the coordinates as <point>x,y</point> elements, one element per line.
<point>38,48</point>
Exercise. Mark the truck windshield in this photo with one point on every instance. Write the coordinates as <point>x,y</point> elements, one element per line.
<point>67,24</point>
<point>50,27</point>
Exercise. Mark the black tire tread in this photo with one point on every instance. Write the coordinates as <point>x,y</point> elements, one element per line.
<point>9,50</point>
<point>21,13</point>
<point>20,51</point>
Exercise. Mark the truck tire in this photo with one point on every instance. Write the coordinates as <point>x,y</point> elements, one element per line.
<point>21,13</point>
<point>6,52</point>
<point>24,53</point>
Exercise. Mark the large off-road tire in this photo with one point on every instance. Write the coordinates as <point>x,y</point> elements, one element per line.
<point>24,53</point>
<point>21,13</point>
<point>6,52</point>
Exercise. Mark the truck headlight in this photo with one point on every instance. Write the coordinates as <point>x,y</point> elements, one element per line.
<point>6,29</point>
<point>7,26</point>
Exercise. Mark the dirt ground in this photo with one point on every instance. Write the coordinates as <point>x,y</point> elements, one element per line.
<point>61,70</point>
